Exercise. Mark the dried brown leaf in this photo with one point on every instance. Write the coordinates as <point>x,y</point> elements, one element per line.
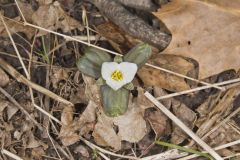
<point>44,2</point>
<point>58,75</point>
<point>67,115</point>
<point>187,116</point>
<point>4,79</point>
<point>82,150</point>
<point>142,101</point>
<point>206,32</point>
<point>15,27</point>
<point>72,129</point>
<point>89,114</point>
<point>87,119</point>
<point>158,122</point>
<point>3,105</point>
<point>53,17</point>
<point>178,64</point>
<point>233,5</point>
<point>104,134</point>
<point>132,127</point>
<point>121,41</point>
<point>27,10</point>
<point>32,142</point>
<point>68,137</point>
<point>11,110</point>
<point>92,89</point>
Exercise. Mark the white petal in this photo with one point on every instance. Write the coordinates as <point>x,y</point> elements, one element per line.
<point>107,69</point>
<point>129,70</point>
<point>115,85</point>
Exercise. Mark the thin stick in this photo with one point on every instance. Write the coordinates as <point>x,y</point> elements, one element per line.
<point>20,12</point>
<point>85,22</point>
<point>180,124</point>
<point>169,154</point>
<point>198,89</point>
<point>53,144</point>
<point>8,68</point>
<point>183,76</point>
<point>115,53</point>
<point>103,156</point>
<point>10,154</point>
<point>93,146</point>
<point>14,46</point>
<point>231,156</point>
<point>47,114</point>
<point>216,148</point>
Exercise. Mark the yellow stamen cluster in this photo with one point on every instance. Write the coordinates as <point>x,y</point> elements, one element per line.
<point>117,75</point>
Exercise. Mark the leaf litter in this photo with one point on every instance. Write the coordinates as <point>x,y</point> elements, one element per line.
<point>142,124</point>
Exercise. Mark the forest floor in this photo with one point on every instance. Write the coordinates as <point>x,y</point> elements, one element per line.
<point>185,100</point>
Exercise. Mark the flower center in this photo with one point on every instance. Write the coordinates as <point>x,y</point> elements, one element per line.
<point>117,75</point>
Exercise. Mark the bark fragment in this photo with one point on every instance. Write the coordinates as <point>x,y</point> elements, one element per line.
<point>139,4</point>
<point>132,24</point>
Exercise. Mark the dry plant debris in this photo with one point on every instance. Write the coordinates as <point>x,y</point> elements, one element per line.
<point>62,117</point>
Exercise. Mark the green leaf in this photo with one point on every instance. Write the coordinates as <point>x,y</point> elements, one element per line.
<point>188,150</point>
<point>90,63</point>
<point>115,103</point>
<point>139,54</point>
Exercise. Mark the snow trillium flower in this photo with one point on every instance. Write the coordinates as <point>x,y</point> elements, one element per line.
<point>114,76</point>
<point>117,75</point>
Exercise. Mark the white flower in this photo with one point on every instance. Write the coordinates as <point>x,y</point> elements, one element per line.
<point>117,75</point>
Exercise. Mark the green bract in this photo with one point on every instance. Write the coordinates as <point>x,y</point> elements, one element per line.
<point>139,54</point>
<point>115,102</point>
<point>90,64</point>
